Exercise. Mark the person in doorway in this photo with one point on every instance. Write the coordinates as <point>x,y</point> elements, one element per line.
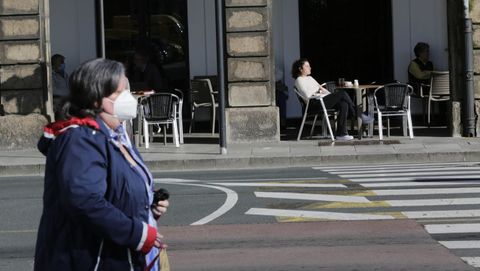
<point>420,68</point>
<point>340,101</point>
<point>59,80</point>
<point>145,73</point>
<point>98,212</point>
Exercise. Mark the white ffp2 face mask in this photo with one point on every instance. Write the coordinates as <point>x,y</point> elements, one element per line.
<point>125,106</point>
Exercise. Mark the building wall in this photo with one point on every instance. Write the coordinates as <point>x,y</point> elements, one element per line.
<point>419,21</point>
<point>202,37</point>
<point>73,31</point>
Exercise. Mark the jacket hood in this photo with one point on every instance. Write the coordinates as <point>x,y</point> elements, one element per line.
<point>52,130</point>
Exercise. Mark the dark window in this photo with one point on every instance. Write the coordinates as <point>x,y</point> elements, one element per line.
<point>156,28</point>
<point>347,38</point>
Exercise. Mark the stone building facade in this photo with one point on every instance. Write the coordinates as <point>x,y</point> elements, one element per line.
<point>251,114</point>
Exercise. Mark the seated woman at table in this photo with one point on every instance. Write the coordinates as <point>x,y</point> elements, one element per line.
<point>340,101</point>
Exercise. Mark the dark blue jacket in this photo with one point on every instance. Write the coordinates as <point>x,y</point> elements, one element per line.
<point>92,195</point>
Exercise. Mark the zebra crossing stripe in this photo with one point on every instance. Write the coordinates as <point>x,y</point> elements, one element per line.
<point>419,178</point>
<point>407,174</point>
<point>273,184</point>
<point>426,191</point>
<point>315,197</point>
<point>465,244</point>
<point>358,199</point>
<point>412,184</point>
<point>433,202</point>
<point>400,170</point>
<point>473,261</point>
<point>387,166</point>
<point>442,214</point>
<point>453,228</point>
<point>316,214</point>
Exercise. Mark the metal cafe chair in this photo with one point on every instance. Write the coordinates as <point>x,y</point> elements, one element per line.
<point>161,109</point>
<point>202,96</point>
<point>305,106</point>
<point>437,91</point>
<point>396,102</point>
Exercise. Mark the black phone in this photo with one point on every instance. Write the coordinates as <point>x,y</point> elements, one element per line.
<point>159,195</point>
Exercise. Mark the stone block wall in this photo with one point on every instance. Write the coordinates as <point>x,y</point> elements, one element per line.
<point>23,72</point>
<point>251,115</point>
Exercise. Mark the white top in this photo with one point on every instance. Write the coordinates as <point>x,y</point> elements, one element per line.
<point>309,87</point>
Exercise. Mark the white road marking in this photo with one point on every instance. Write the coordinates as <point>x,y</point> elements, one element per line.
<point>420,178</point>
<point>433,202</point>
<point>427,191</point>
<point>453,228</point>
<point>230,201</point>
<point>276,184</point>
<point>412,184</point>
<point>400,170</point>
<point>407,174</point>
<point>473,261</point>
<point>173,180</point>
<point>442,214</point>
<point>387,166</point>
<point>315,197</point>
<point>315,214</point>
<point>473,244</point>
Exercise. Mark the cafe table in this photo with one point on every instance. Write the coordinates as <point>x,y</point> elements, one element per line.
<point>360,102</point>
<point>138,132</point>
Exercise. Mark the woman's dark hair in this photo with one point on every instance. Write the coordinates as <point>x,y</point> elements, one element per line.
<point>89,84</point>
<point>420,47</point>
<point>297,66</point>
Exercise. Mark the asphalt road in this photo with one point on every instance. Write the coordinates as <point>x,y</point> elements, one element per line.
<point>236,229</point>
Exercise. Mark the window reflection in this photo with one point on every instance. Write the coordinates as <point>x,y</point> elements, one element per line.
<point>151,29</point>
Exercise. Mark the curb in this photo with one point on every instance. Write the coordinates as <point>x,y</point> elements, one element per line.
<point>256,162</point>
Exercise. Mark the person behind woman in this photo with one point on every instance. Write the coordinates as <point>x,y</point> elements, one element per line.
<point>97,203</point>
<point>420,68</point>
<point>340,101</point>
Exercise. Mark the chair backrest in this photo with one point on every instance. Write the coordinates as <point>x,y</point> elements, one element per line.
<point>202,91</point>
<point>300,98</point>
<point>394,96</point>
<point>160,106</point>
<point>440,83</point>
<point>213,80</point>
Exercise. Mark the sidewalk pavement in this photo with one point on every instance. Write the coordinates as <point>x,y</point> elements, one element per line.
<point>316,152</point>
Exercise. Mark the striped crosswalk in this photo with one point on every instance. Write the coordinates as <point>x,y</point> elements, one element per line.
<point>445,197</point>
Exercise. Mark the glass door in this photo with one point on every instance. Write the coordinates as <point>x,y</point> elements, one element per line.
<point>150,38</point>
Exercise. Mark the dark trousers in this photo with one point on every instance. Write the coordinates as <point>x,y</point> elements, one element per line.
<point>341,102</point>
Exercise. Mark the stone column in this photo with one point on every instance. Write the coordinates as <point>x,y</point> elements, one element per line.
<point>23,73</point>
<point>251,115</point>
<point>22,57</point>
<point>475,15</point>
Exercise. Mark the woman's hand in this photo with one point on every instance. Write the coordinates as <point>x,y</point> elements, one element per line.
<point>158,242</point>
<point>159,208</point>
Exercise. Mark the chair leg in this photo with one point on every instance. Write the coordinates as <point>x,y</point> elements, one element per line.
<point>388,126</point>
<point>213,119</point>
<point>404,125</point>
<point>192,120</point>
<point>429,112</point>
<point>164,134</point>
<point>176,139</point>
<point>410,125</point>
<point>313,125</point>
<point>180,128</point>
<point>146,134</point>
<point>301,126</point>
<point>380,126</point>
